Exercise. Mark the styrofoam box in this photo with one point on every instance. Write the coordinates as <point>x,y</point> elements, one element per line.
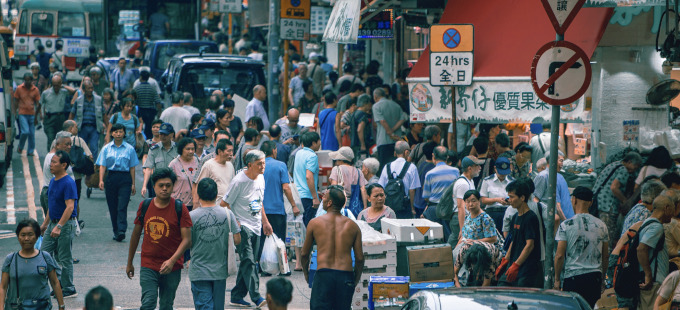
<point>358,303</point>
<point>379,247</point>
<point>384,271</point>
<point>380,260</point>
<point>412,230</point>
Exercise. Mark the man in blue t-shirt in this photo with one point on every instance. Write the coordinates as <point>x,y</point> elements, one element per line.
<point>330,129</point>
<point>59,225</point>
<point>276,184</point>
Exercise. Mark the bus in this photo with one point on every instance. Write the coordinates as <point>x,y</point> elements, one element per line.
<point>76,24</point>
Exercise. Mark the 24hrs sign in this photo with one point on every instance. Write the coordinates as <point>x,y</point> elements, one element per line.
<point>451,55</point>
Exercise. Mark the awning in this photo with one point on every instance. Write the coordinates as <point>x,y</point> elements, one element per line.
<point>509,32</point>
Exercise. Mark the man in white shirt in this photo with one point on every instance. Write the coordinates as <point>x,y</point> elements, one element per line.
<point>411,179</point>
<point>176,115</point>
<point>244,198</point>
<point>219,169</point>
<point>256,106</point>
<point>494,195</point>
<point>470,166</point>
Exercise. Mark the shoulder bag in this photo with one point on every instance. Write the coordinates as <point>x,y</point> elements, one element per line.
<point>81,163</point>
<point>31,304</point>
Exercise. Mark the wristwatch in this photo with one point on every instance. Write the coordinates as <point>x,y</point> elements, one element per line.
<point>59,226</point>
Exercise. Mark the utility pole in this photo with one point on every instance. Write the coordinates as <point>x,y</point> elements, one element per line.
<point>273,94</point>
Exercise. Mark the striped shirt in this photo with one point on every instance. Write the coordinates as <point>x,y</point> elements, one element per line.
<point>147,96</point>
<point>89,116</point>
<point>437,180</point>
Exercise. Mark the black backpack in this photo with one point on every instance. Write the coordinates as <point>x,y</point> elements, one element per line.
<point>147,202</point>
<point>627,274</point>
<point>395,190</point>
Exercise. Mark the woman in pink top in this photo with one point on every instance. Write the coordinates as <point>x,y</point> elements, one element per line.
<point>184,166</point>
<point>378,209</point>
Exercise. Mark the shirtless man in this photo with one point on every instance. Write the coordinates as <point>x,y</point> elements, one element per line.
<point>335,236</point>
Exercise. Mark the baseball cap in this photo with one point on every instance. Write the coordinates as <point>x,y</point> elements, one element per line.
<point>166,129</point>
<point>344,153</point>
<point>207,124</point>
<point>583,193</point>
<point>503,166</point>
<point>313,55</point>
<point>469,161</point>
<point>197,133</point>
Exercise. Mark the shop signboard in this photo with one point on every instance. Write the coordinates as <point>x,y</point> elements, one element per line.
<point>319,19</point>
<point>490,100</point>
<point>631,130</point>
<point>580,146</point>
<point>451,55</point>
<point>343,25</point>
<point>230,6</point>
<point>378,27</point>
<point>562,12</point>
<point>560,73</point>
<point>296,9</point>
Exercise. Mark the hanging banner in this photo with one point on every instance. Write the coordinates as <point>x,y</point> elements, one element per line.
<point>343,26</point>
<point>485,101</point>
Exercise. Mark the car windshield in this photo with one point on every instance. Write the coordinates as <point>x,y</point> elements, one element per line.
<point>500,300</point>
<point>167,51</point>
<point>203,79</point>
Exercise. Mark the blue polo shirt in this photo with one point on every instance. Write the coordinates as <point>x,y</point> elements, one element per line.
<point>57,194</point>
<point>275,175</point>
<point>305,159</point>
<point>118,158</point>
<point>564,196</point>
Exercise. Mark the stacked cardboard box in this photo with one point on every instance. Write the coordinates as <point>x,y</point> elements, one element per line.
<point>429,263</point>
<point>380,260</point>
<point>387,293</point>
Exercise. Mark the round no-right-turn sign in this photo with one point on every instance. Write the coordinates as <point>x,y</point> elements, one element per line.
<point>560,73</point>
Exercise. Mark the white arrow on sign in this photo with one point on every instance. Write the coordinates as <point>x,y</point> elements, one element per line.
<point>560,73</point>
<point>562,12</point>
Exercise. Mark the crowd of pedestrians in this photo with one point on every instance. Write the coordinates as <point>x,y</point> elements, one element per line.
<point>213,182</point>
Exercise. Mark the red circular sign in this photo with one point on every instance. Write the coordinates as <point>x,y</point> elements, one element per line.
<point>546,71</point>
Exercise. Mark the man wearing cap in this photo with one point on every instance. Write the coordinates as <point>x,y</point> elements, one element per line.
<point>583,242</point>
<point>148,101</point>
<point>564,209</point>
<point>53,102</point>
<point>411,179</point>
<point>176,114</point>
<point>160,154</point>
<point>471,168</point>
<point>256,106</point>
<point>494,195</point>
<point>438,179</point>
<point>198,135</point>
<point>88,112</point>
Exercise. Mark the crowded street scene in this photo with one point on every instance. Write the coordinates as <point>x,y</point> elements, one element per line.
<point>339,154</point>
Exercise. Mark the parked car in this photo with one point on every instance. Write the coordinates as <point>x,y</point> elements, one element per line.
<point>495,298</point>
<point>157,54</point>
<point>201,74</point>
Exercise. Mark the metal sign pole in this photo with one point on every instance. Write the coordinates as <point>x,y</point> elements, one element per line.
<point>286,75</point>
<point>549,265</point>
<point>454,147</point>
<point>273,93</point>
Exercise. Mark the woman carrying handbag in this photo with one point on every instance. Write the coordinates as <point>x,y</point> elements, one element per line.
<point>25,274</point>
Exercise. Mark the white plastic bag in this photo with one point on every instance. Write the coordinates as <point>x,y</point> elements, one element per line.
<point>282,256</point>
<point>269,262</point>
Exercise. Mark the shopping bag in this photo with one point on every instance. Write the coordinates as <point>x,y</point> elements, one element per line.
<point>295,231</point>
<point>269,261</point>
<point>232,267</point>
<point>284,267</point>
<point>38,244</point>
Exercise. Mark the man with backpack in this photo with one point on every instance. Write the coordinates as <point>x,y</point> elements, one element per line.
<point>167,234</point>
<point>400,180</point>
<point>582,250</point>
<point>439,178</point>
<point>642,263</point>
<point>471,168</point>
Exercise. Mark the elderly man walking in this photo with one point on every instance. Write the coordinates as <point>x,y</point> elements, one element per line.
<point>53,103</point>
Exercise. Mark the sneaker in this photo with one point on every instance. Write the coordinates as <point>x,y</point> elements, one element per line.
<point>75,260</point>
<point>265,274</point>
<point>81,223</point>
<point>261,302</point>
<point>70,294</point>
<point>286,274</point>
<point>120,238</point>
<point>240,303</point>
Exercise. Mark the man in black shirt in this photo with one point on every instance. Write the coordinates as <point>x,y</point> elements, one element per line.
<point>524,254</point>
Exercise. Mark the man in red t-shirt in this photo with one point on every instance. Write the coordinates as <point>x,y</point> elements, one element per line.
<point>27,100</point>
<point>165,240</point>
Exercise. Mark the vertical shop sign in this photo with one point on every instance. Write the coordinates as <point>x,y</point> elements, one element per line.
<point>343,26</point>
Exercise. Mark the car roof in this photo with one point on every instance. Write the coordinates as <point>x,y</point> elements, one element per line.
<point>216,58</point>
<point>47,5</point>
<point>470,297</point>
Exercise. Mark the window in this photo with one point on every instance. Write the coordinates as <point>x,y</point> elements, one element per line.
<point>71,24</point>
<point>23,23</point>
<point>42,24</point>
